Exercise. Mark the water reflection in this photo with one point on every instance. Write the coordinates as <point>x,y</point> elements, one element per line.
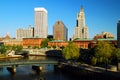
<point>25,72</point>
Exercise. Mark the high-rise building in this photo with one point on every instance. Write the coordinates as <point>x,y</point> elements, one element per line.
<point>118,34</point>
<point>40,22</point>
<point>60,32</point>
<point>24,33</point>
<point>81,31</point>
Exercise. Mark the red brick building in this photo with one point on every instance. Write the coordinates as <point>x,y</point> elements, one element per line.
<point>57,43</point>
<point>60,32</point>
<point>32,42</point>
<point>82,43</point>
<point>90,43</point>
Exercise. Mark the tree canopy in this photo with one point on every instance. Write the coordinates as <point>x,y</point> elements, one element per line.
<point>71,51</point>
<point>103,51</point>
<point>117,52</point>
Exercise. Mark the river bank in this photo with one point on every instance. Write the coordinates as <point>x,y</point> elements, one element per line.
<point>91,72</point>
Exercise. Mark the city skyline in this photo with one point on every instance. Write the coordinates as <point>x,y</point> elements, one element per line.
<point>101,15</point>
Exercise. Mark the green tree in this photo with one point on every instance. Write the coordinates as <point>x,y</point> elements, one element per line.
<point>117,53</point>
<point>44,43</point>
<point>14,48</point>
<point>71,51</point>
<point>19,47</point>
<point>29,46</point>
<point>54,46</point>
<point>94,60</point>
<point>103,52</point>
<point>3,49</point>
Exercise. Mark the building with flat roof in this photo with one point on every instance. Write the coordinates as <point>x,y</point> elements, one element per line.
<point>118,34</point>
<point>24,33</point>
<point>32,42</point>
<point>40,22</point>
<point>60,32</point>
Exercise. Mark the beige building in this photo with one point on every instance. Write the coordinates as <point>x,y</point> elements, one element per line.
<point>40,22</point>
<point>104,35</point>
<point>24,33</point>
<point>81,31</point>
<point>12,42</point>
<point>60,32</point>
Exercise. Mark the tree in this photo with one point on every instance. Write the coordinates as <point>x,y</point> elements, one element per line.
<point>103,52</point>
<point>3,49</point>
<point>54,46</point>
<point>44,43</point>
<point>14,47</point>
<point>71,51</point>
<point>19,48</point>
<point>117,53</point>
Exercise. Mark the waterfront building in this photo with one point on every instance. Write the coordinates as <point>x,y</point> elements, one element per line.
<point>60,32</point>
<point>57,43</point>
<point>81,31</point>
<point>90,43</point>
<point>32,42</point>
<point>40,23</point>
<point>12,42</point>
<point>24,33</point>
<point>118,34</point>
<point>104,35</point>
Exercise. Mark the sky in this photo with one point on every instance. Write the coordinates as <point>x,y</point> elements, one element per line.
<point>100,15</point>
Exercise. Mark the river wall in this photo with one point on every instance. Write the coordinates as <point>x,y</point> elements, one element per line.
<point>82,73</point>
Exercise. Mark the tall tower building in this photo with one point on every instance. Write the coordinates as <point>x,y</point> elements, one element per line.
<point>81,31</point>
<point>118,34</point>
<point>60,32</point>
<point>40,22</point>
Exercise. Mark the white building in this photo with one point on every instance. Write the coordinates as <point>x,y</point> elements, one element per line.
<point>24,33</point>
<point>40,22</point>
<point>81,31</point>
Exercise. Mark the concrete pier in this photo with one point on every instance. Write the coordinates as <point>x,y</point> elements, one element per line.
<point>12,70</point>
<point>37,68</point>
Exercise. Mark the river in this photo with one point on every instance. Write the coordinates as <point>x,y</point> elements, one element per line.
<point>25,72</point>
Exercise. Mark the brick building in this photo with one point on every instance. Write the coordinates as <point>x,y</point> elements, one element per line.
<point>32,42</point>
<point>60,32</point>
<point>57,43</point>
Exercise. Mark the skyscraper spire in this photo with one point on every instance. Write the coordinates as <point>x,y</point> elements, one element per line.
<point>81,30</point>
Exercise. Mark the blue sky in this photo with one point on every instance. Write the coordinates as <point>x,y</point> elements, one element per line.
<point>101,15</point>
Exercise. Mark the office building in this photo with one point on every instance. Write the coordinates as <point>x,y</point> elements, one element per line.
<point>118,34</point>
<point>24,33</point>
<point>40,22</point>
<point>60,32</point>
<point>81,31</point>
